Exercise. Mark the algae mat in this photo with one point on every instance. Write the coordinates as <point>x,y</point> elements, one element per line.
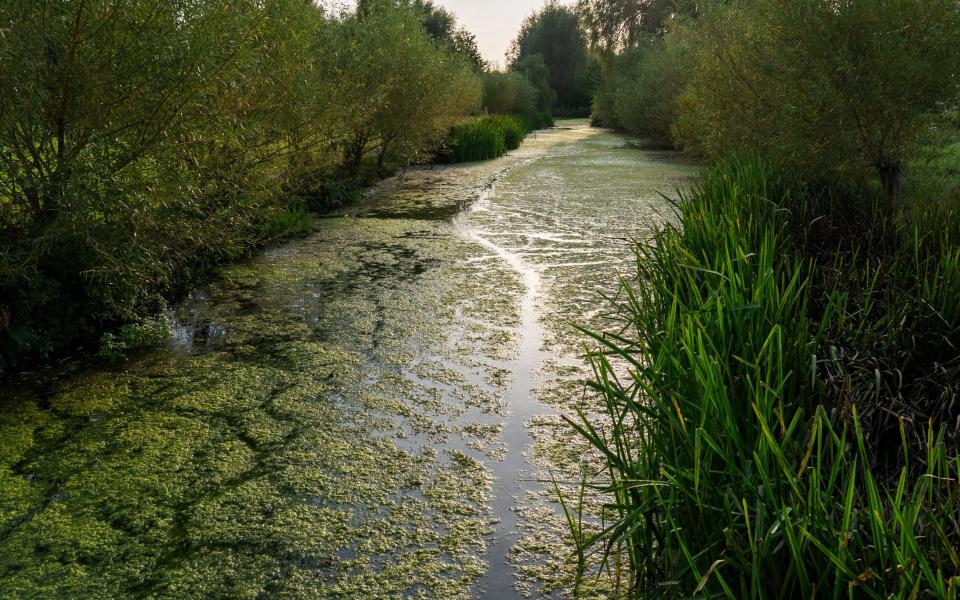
<point>371,412</point>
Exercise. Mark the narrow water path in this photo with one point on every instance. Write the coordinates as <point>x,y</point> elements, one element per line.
<point>514,477</point>
<point>371,412</point>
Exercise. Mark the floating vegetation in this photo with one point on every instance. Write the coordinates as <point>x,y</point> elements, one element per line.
<point>330,418</point>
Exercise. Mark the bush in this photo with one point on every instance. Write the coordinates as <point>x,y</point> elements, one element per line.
<point>296,221</point>
<point>540,120</point>
<point>508,93</point>
<point>641,87</point>
<point>747,451</point>
<point>840,91</point>
<point>646,90</point>
<point>326,189</point>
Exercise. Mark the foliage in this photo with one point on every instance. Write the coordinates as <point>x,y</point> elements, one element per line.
<point>554,33</point>
<point>409,97</point>
<point>541,120</point>
<point>478,139</point>
<point>838,90</point>
<point>641,91</point>
<point>295,221</point>
<point>617,25</point>
<point>536,71</point>
<point>746,452</point>
<point>146,333</point>
<point>508,93</point>
<point>490,137</point>
<point>441,24</point>
<point>141,144</point>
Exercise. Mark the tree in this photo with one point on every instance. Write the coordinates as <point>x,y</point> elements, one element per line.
<point>555,34</point>
<point>616,25</point>
<point>641,91</point>
<point>824,87</point>
<point>441,24</point>
<point>537,73</point>
<point>509,93</point>
<point>407,90</point>
<point>134,144</point>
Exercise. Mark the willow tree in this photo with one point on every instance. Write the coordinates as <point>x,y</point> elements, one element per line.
<point>442,26</point>
<point>617,25</point>
<point>135,139</point>
<point>405,89</point>
<point>828,88</point>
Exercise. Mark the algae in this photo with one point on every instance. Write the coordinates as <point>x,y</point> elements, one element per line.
<point>331,419</point>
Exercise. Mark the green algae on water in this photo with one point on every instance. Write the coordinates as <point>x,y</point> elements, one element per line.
<point>329,418</point>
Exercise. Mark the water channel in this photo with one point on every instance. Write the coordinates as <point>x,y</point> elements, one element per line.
<point>371,412</point>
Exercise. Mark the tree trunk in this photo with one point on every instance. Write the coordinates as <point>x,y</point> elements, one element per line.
<point>891,173</point>
<point>354,154</point>
<point>382,157</point>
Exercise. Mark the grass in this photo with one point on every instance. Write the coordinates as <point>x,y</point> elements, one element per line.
<point>492,136</point>
<point>296,221</point>
<point>745,450</point>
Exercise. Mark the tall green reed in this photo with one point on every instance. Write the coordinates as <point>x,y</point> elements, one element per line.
<point>491,136</point>
<point>729,471</point>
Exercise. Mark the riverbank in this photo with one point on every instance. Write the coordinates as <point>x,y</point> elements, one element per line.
<point>79,328</point>
<point>783,380</point>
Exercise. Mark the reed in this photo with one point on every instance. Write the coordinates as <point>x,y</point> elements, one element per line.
<point>491,136</point>
<point>735,465</point>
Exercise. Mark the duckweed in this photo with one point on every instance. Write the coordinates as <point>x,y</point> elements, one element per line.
<point>329,418</point>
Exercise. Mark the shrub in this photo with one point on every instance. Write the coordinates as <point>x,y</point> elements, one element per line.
<point>833,90</point>
<point>508,93</point>
<point>540,120</point>
<point>296,221</point>
<point>647,87</point>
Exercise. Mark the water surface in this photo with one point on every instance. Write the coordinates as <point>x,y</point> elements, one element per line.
<point>371,412</point>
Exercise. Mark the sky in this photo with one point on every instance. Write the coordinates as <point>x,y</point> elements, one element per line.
<point>494,22</point>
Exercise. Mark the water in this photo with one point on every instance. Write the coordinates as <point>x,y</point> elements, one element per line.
<point>371,412</point>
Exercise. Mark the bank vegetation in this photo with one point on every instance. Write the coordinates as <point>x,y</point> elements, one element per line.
<point>781,406</point>
<point>142,143</point>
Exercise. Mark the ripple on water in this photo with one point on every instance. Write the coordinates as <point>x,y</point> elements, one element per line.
<point>332,418</point>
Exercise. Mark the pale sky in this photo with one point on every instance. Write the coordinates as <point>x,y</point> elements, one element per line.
<point>494,22</point>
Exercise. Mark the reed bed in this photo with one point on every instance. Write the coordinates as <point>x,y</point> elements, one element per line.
<point>492,136</point>
<point>785,425</point>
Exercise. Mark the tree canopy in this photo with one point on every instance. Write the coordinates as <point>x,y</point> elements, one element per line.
<point>554,33</point>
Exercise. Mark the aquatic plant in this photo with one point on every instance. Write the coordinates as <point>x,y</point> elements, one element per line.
<point>745,451</point>
<point>492,136</point>
<point>145,333</point>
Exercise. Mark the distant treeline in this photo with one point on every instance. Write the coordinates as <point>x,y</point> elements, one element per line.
<point>142,143</point>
